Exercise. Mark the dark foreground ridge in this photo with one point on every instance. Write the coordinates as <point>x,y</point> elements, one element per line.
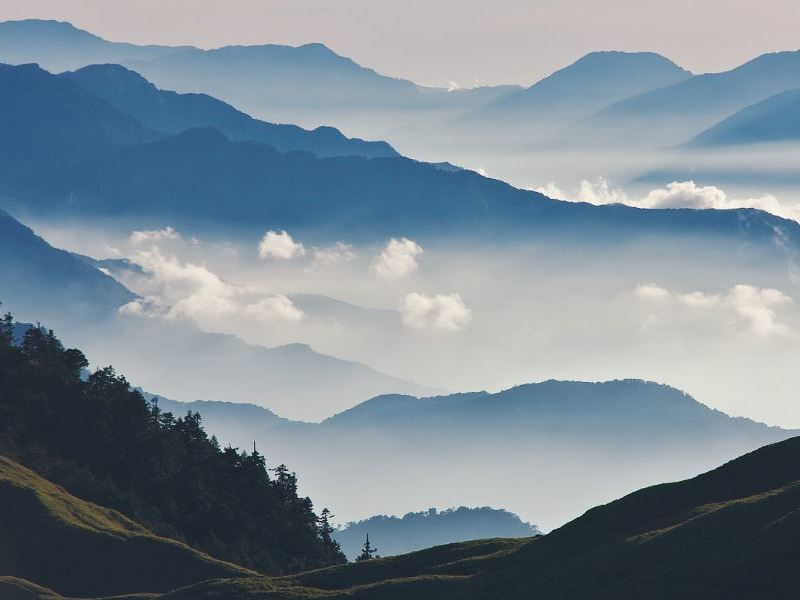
<point>730,533</point>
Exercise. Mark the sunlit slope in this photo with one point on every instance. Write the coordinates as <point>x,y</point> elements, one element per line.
<point>77,548</point>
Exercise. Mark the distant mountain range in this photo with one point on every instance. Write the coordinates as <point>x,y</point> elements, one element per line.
<point>182,178</point>
<point>587,85</point>
<point>546,450</point>
<point>171,112</point>
<point>420,530</point>
<point>679,111</point>
<point>277,82</point>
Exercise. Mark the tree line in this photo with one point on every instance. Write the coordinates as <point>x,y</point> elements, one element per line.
<point>104,442</point>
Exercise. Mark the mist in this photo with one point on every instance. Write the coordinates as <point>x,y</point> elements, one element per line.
<point>659,309</point>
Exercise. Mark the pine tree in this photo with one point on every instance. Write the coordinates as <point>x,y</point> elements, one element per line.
<point>367,552</point>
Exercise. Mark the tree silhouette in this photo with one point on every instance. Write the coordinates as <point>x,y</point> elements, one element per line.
<point>325,530</point>
<point>101,440</point>
<point>367,552</point>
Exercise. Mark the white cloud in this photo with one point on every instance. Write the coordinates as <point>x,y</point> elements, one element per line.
<point>650,291</point>
<point>551,190</point>
<point>600,192</point>
<point>757,307</point>
<point>397,259</point>
<point>742,307</point>
<point>699,300</point>
<point>185,290</point>
<point>280,245</point>
<point>334,255</point>
<point>447,312</point>
<point>274,307</point>
<point>154,235</point>
<point>678,194</point>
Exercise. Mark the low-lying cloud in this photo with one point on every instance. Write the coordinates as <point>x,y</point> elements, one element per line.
<point>182,290</point>
<point>742,307</point>
<point>442,311</point>
<point>398,259</point>
<point>279,245</point>
<point>683,194</point>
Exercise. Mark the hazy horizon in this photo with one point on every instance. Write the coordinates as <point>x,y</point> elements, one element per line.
<point>518,42</point>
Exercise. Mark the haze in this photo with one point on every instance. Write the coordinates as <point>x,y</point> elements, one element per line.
<point>446,41</point>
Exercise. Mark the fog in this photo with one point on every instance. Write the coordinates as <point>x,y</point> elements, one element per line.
<point>459,317</point>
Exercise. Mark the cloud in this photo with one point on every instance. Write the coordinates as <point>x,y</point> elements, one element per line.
<point>398,259</point>
<point>744,307</point>
<point>334,255</point>
<point>757,307</point>
<point>177,290</point>
<point>279,245</point>
<point>446,312</point>
<point>678,194</point>
<point>650,291</point>
<point>274,307</point>
<point>154,235</point>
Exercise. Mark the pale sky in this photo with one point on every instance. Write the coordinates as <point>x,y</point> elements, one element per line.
<point>438,41</point>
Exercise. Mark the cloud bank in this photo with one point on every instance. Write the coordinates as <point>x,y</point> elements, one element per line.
<point>683,194</point>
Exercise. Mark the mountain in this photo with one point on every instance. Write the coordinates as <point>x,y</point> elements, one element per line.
<point>684,109</point>
<point>60,46</point>
<point>419,530</point>
<point>546,451</point>
<point>36,106</point>
<point>39,280</point>
<point>171,112</point>
<point>587,85</point>
<point>182,179</point>
<point>309,84</point>
<point>81,549</point>
<point>776,119</point>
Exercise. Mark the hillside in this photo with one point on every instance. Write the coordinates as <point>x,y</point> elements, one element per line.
<point>729,533</point>
<point>36,106</point>
<point>170,112</point>
<point>31,270</point>
<point>102,441</point>
<point>776,119</point>
<point>78,548</point>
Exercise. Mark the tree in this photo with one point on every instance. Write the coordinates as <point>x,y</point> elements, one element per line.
<point>367,552</point>
<point>325,530</point>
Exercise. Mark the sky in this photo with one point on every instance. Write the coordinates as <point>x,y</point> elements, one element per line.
<point>436,42</point>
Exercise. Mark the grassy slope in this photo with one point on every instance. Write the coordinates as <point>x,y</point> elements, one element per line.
<point>80,549</point>
<point>731,534</point>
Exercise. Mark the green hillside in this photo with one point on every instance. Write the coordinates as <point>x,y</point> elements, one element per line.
<point>81,549</point>
<point>729,534</point>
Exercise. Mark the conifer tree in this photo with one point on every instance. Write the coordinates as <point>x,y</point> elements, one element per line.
<point>367,552</point>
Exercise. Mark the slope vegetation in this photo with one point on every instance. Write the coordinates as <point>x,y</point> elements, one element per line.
<point>79,548</point>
